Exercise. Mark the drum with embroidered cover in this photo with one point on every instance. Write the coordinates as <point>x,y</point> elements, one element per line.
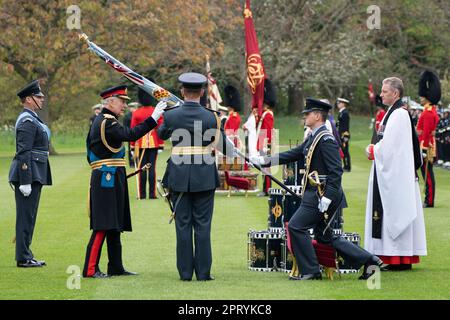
<point>290,206</point>
<point>264,251</point>
<point>287,258</point>
<point>275,216</point>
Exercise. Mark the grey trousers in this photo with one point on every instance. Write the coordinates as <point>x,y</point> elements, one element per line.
<point>26,213</point>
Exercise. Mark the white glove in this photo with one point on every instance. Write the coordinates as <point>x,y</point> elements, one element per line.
<point>25,189</point>
<point>159,110</point>
<point>259,160</point>
<point>368,151</point>
<point>132,153</point>
<point>324,203</point>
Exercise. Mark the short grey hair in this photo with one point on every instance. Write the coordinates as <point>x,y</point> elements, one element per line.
<point>396,84</point>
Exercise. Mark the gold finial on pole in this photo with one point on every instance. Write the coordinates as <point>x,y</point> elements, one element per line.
<point>83,37</point>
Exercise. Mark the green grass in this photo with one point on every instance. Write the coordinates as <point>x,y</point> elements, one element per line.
<point>62,233</point>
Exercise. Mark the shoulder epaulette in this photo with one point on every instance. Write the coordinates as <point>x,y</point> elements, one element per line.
<point>171,108</point>
<point>108,116</point>
<point>328,137</point>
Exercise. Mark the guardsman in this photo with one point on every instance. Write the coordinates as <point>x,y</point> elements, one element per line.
<point>146,148</point>
<point>446,139</point>
<point>344,131</point>
<point>430,94</point>
<point>232,101</point>
<point>440,140</point>
<point>319,203</point>
<point>108,195</point>
<point>265,125</point>
<point>29,171</point>
<point>191,175</point>
<point>96,109</point>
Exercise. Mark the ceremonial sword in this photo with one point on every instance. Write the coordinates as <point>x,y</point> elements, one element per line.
<point>145,167</point>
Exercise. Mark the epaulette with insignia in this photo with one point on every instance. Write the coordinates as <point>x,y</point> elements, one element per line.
<point>328,137</point>
<point>108,116</point>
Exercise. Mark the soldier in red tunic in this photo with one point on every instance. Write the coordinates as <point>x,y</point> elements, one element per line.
<point>146,148</point>
<point>430,94</point>
<point>233,122</point>
<point>265,127</point>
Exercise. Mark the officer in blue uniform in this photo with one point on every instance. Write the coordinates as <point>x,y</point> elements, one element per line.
<point>29,171</point>
<point>316,210</point>
<point>344,131</point>
<point>109,200</point>
<point>191,175</point>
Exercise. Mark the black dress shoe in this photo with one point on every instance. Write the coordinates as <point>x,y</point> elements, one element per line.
<point>40,261</point>
<point>373,261</point>
<point>397,267</point>
<point>123,273</point>
<point>210,278</point>
<point>99,275</point>
<point>29,264</point>
<point>309,276</point>
<point>186,279</point>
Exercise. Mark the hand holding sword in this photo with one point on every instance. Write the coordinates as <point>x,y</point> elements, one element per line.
<point>324,202</point>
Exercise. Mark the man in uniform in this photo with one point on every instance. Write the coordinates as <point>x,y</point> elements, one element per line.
<point>446,139</point>
<point>321,153</point>
<point>233,103</point>
<point>191,175</point>
<point>29,171</point>
<point>265,127</point>
<point>146,148</point>
<point>430,94</point>
<point>109,202</point>
<point>344,130</point>
<point>97,109</point>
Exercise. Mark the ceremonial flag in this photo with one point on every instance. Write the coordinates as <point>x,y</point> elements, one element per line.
<point>255,67</point>
<point>213,92</point>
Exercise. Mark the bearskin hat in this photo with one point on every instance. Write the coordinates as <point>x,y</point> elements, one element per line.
<point>430,87</point>
<point>270,93</point>
<point>232,98</point>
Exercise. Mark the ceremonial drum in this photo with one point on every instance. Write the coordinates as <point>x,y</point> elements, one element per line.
<point>275,216</point>
<point>229,164</point>
<point>264,250</point>
<point>291,203</point>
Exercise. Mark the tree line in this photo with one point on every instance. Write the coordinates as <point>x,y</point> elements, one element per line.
<point>309,48</point>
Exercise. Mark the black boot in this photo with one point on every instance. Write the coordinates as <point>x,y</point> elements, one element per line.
<point>373,261</point>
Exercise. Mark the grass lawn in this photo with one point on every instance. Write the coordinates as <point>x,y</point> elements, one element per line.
<point>62,232</point>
